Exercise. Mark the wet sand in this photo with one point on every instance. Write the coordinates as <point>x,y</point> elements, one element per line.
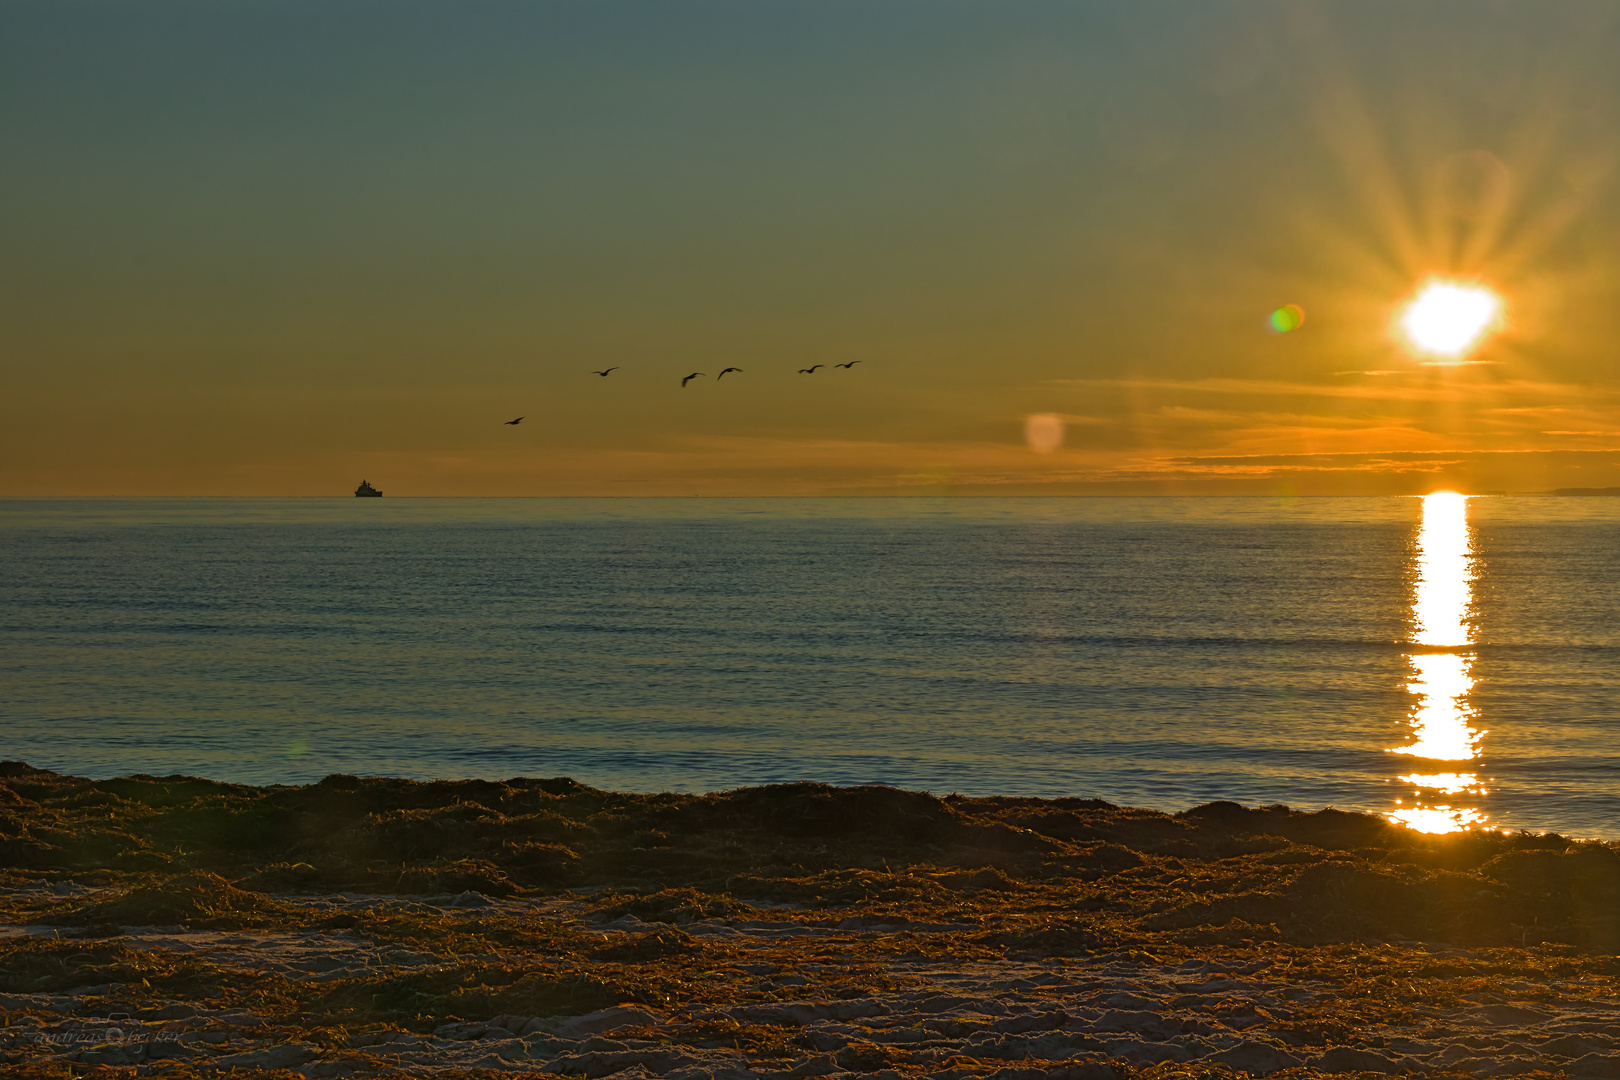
<point>176,927</point>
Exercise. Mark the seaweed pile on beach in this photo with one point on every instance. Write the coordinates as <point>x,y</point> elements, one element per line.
<point>362,926</point>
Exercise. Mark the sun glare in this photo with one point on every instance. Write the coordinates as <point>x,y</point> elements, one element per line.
<point>1442,719</point>
<point>1449,318</point>
<point>1436,819</point>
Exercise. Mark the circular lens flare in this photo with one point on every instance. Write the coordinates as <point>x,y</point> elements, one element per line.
<point>1449,318</point>
<point>1287,318</point>
<point>1043,432</point>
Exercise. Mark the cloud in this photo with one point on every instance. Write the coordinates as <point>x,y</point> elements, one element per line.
<point>1279,388</point>
<point>1183,412</point>
<point>747,465</point>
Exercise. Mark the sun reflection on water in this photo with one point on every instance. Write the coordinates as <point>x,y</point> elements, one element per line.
<point>1448,783</point>
<point>1442,720</point>
<point>1437,819</point>
<point>1445,572</point>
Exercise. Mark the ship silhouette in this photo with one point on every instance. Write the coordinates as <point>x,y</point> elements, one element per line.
<point>366,491</point>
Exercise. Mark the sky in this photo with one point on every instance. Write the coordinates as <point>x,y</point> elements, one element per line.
<point>273,248</point>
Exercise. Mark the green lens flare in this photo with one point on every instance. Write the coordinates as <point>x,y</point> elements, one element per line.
<point>1288,317</point>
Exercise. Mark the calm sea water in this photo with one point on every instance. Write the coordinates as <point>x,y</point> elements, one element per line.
<point>1154,652</point>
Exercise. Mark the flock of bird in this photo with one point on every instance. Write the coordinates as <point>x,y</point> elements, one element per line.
<point>811,370</point>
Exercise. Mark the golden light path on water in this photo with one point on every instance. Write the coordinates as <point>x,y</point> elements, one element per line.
<point>1442,720</point>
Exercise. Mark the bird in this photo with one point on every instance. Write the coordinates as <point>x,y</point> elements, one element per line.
<point>519,420</point>
<point>604,374</point>
<point>851,364</point>
<point>811,370</point>
<point>722,375</point>
<point>689,378</point>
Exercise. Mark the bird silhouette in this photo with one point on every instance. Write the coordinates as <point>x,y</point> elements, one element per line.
<point>811,370</point>
<point>689,378</point>
<point>722,375</point>
<point>519,420</point>
<point>851,364</point>
<point>604,374</point>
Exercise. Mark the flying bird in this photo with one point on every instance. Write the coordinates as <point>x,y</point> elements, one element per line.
<point>811,370</point>
<point>722,375</point>
<point>689,378</point>
<point>519,420</point>
<point>604,374</point>
<point>851,364</point>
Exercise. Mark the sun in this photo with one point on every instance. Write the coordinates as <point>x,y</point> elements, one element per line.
<point>1449,318</point>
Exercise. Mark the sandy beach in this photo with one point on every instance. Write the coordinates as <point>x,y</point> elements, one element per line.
<point>176,926</point>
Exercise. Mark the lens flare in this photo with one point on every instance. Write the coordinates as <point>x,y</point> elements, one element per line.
<point>1450,318</point>
<point>1287,318</point>
<point>1043,432</point>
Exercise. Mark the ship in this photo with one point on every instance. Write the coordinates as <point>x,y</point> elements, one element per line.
<point>366,491</point>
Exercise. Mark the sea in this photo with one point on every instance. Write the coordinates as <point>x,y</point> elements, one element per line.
<point>1447,662</point>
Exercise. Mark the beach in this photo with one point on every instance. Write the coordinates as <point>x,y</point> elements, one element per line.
<point>179,926</point>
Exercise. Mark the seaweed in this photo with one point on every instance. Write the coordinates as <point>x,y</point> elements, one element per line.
<point>475,992</point>
<point>194,898</point>
<point>201,853</point>
<point>675,906</point>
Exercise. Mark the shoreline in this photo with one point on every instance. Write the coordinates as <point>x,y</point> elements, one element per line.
<point>384,927</point>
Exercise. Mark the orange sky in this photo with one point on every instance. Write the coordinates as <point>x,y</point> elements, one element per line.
<point>272,248</point>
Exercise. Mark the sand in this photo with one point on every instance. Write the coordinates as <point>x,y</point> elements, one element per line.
<point>793,931</point>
